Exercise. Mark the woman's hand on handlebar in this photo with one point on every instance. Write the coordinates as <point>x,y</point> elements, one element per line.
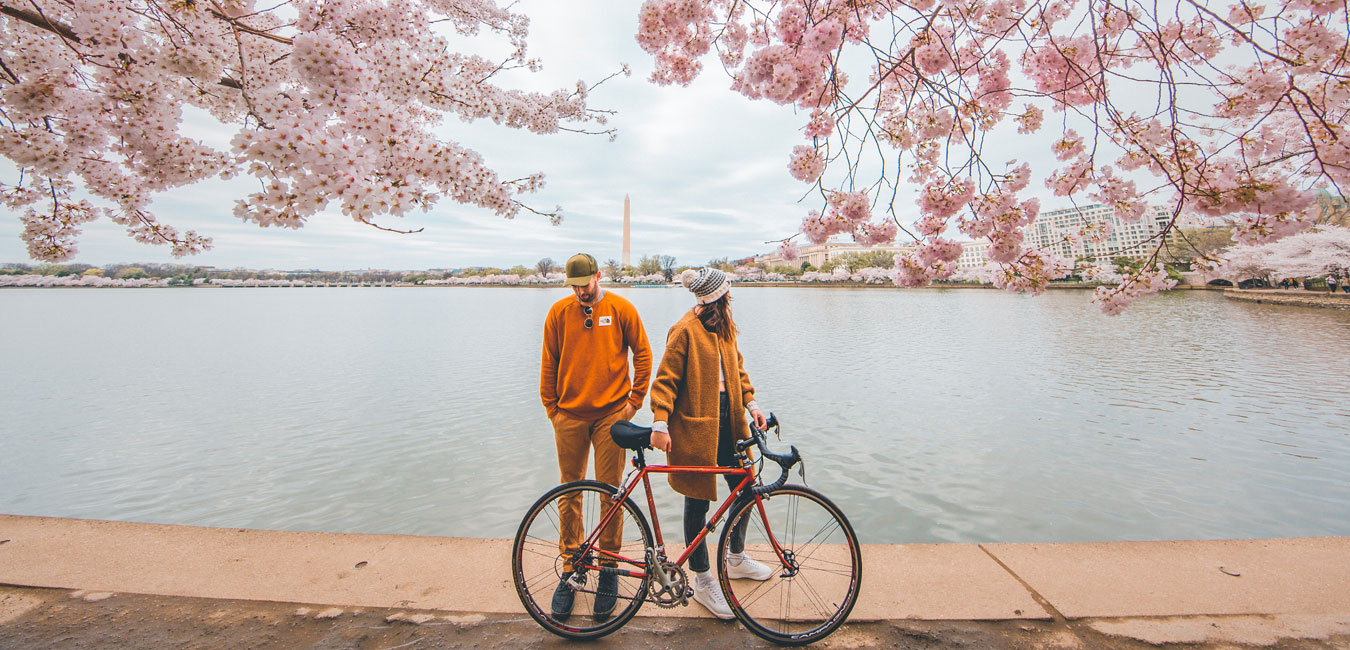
<point>661,441</point>
<point>760,420</point>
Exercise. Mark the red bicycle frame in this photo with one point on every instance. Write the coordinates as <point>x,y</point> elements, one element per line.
<point>643,476</point>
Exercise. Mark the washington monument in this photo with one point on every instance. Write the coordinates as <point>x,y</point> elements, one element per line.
<point>626,236</point>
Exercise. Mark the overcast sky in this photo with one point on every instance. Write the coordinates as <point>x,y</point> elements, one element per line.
<point>705,167</point>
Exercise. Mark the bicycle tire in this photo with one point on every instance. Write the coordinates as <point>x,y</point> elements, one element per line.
<point>827,576</point>
<point>532,548</point>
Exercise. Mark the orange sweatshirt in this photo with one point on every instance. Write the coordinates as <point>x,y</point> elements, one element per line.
<point>584,372</point>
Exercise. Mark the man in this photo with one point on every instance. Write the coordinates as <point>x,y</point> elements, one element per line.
<point>584,384</point>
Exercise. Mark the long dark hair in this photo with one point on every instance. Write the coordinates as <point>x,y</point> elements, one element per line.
<point>716,317</point>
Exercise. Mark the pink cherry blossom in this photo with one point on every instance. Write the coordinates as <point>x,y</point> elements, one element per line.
<point>806,164</point>
<point>820,126</point>
<point>334,105</point>
<point>1254,113</point>
<point>1136,284</point>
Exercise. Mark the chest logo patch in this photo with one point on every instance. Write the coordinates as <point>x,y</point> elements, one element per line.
<point>604,321</point>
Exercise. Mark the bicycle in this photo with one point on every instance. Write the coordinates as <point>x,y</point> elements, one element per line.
<point>793,529</point>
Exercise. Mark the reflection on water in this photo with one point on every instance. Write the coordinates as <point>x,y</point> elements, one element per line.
<point>957,415</point>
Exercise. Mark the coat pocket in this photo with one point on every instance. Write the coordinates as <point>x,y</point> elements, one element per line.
<point>693,440</point>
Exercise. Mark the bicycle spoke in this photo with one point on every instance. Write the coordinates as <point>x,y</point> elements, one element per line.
<point>541,547</point>
<point>844,570</point>
<point>546,576</point>
<point>554,517</point>
<point>831,525</point>
<point>824,571</point>
<point>571,514</point>
<point>806,549</point>
<point>814,597</point>
<point>748,605</point>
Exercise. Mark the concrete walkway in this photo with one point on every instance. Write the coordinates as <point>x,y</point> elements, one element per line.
<point>1291,297</point>
<point>911,581</point>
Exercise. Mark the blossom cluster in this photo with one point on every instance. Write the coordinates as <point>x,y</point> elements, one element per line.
<point>934,259</point>
<point>509,279</point>
<point>78,281</point>
<point>1135,285</point>
<point>334,105</point>
<point>1032,272</point>
<point>848,212</point>
<point>1324,250</point>
<point>869,275</point>
<point>1256,115</point>
<point>806,164</point>
<point>650,278</point>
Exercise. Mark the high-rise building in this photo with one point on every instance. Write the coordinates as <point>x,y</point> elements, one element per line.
<point>974,254</point>
<point>1055,231</point>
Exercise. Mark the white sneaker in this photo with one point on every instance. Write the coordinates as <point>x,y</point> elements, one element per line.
<point>741,566</point>
<point>708,594</point>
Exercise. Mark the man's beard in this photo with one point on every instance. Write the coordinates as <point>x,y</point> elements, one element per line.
<point>585,296</point>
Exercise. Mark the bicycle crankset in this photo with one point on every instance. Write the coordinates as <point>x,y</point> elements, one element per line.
<point>674,591</point>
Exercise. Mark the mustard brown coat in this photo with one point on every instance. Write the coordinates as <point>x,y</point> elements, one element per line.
<point>685,396</point>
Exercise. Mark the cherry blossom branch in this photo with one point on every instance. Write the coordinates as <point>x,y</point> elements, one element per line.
<point>13,77</point>
<point>40,21</point>
<point>239,26</point>
<point>393,230</point>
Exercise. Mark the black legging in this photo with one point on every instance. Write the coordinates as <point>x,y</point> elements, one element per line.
<point>696,510</point>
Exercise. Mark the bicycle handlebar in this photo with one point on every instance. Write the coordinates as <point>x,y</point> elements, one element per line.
<point>785,461</point>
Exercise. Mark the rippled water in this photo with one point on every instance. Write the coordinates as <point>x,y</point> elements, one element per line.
<point>956,415</point>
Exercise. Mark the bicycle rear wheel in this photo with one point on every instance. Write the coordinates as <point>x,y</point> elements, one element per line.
<point>538,563</point>
<point>811,594</point>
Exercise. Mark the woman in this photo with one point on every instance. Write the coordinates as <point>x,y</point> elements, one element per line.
<point>698,402</point>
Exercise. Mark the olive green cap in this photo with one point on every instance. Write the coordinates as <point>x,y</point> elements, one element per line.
<point>580,269</point>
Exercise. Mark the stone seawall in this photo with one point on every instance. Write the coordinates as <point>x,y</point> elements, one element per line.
<point>144,586</point>
<point>1294,298</point>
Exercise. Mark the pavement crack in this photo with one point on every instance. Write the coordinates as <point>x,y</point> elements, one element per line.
<point>1045,603</point>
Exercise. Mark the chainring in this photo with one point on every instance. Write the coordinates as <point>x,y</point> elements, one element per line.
<point>676,593</point>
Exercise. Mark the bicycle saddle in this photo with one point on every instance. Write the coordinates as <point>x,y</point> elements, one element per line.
<point>631,436</point>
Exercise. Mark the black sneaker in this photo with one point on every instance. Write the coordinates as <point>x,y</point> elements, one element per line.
<point>563,597</point>
<point>605,596</point>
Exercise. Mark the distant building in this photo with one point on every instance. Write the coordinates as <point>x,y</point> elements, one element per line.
<point>1051,231</point>
<point>818,254</point>
<point>1054,231</point>
<point>974,254</point>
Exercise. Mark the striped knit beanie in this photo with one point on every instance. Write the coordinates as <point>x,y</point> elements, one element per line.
<point>707,283</point>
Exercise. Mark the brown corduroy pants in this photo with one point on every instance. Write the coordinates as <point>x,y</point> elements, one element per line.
<point>575,440</point>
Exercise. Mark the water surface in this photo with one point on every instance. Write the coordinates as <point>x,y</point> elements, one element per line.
<point>931,415</point>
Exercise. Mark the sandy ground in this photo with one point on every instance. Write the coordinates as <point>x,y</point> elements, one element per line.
<point>41,619</point>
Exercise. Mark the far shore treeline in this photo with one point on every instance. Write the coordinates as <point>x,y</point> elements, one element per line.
<point>651,268</point>
<point>1305,260</point>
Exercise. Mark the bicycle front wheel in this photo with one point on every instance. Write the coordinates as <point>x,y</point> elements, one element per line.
<point>545,546</point>
<point>816,566</point>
